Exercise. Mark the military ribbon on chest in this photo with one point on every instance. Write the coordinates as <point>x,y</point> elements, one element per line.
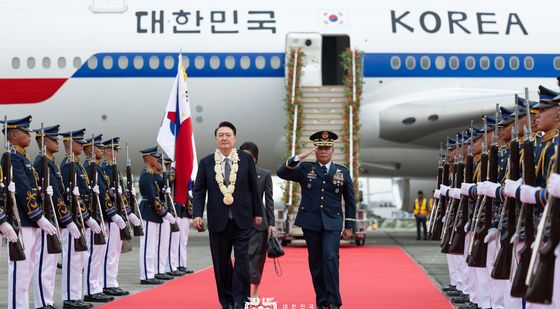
<point>338,177</point>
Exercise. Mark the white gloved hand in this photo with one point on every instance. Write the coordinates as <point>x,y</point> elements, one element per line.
<point>455,193</point>
<point>528,194</point>
<point>73,230</point>
<point>491,188</point>
<point>76,191</point>
<point>168,190</point>
<point>133,191</point>
<point>492,234</point>
<point>49,191</point>
<point>169,218</point>
<point>93,225</point>
<point>12,187</point>
<point>443,190</point>
<point>8,231</point>
<point>119,190</point>
<point>133,219</point>
<point>95,189</point>
<point>465,188</point>
<point>481,188</point>
<point>436,193</point>
<point>46,226</point>
<point>553,186</point>
<point>511,187</point>
<point>119,221</point>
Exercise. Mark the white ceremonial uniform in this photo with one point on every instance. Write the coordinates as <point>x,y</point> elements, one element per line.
<point>72,266</point>
<point>93,262</point>
<point>44,276</point>
<point>148,249</point>
<point>112,255</point>
<point>20,273</point>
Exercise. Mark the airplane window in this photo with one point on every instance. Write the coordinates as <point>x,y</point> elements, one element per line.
<point>16,63</point>
<point>77,62</point>
<point>61,62</point>
<point>92,63</point>
<point>123,62</point>
<point>214,62</point>
<point>469,62</point>
<point>557,63</point>
<point>275,62</point>
<point>245,62</point>
<point>154,62</point>
<point>169,62</point>
<point>46,62</point>
<point>199,62</point>
<point>499,62</point>
<point>440,62</point>
<point>395,62</point>
<point>484,62</point>
<point>425,62</point>
<point>454,62</point>
<point>410,63</point>
<point>529,63</point>
<point>138,62</point>
<point>108,62</point>
<point>186,62</point>
<point>514,63</point>
<point>230,62</point>
<point>31,62</point>
<point>260,62</point>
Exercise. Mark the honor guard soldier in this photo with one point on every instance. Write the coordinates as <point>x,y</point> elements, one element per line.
<point>323,186</point>
<point>153,214</point>
<point>102,211</point>
<point>33,221</point>
<point>76,182</point>
<point>44,278</point>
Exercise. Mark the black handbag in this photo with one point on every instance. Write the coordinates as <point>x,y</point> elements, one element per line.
<point>274,247</point>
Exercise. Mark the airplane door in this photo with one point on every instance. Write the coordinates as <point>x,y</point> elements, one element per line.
<point>333,46</point>
<point>311,45</point>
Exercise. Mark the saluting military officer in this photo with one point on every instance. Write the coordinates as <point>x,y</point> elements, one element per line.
<point>24,186</point>
<point>323,186</point>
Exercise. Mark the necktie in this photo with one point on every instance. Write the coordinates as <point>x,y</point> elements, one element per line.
<point>324,168</point>
<point>227,171</point>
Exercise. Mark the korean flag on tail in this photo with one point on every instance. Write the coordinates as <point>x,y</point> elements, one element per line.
<point>333,18</point>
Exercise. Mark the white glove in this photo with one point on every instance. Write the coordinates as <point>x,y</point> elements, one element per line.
<point>8,232</point>
<point>511,187</point>
<point>50,191</point>
<point>12,187</point>
<point>133,191</point>
<point>443,190</point>
<point>553,186</point>
<point>492,234</point>
<point>133,219</point>
<point>481,188</point>
<point>491,188</point>
<point>119,190</point>
<point>465,188</point>
<point>95,189</point>
<point>455,193</point>
<point>46,226</point>
<point>436,193</point>
<point>168,190</point>
<point>73,230</point>
<point>528,194</point>
<point>93,225</point>
<point>169,218</point>
<point>76,191</point>
<point>119,221</point>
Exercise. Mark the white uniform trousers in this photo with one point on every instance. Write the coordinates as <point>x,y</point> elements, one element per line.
<point>72,266</point>
<point>112,256</point>
<point>163,248</point>
<point>178,245</point>
<point>148,249</point>
<point>452,270</point>
<point>509,301</point>
<point>44,276</point>
<point>93,262</point>
<point>497,287</point>
<point>466,271</point>
<point>21,272</point>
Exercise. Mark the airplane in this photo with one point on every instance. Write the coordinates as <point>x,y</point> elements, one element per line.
<point>429,67</point>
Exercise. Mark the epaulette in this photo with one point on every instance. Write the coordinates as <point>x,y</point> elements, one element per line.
<point>340,165</point>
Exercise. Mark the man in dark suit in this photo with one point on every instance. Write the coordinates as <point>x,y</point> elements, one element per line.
<point>234,206</point>
<point>323,185</point>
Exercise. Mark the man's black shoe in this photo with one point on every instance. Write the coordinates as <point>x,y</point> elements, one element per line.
<point>449,288</point>
<point>76,304</point>
<point>176,273</point>
<point>98,298</point>
<point>460,300</point>
<point>454,293</point>
<point>151,281</point>
<point>185,270</point>
<point>115,291</point>
<point>163,277</point>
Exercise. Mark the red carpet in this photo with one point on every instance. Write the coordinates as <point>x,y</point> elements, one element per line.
<point>370,277</point>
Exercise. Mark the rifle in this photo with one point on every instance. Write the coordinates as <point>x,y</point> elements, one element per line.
<point>441,209</point>
<point>125,233</point>
<point>502,265</point>
<point>15,249</point>
<point>168,198</point>
<point>454,203</point>
<point>53,241</point>
<point>80,244</point>
<point>457,240</point>
<point>518,287</point>
<point>479,252</point>
<point>96,211</point>
<point>138,231</point>
<point>540,277</point>
<point>436,200</point>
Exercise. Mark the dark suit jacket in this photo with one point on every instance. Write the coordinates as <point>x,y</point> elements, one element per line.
<point>265,188</point>
<point>247,202</point>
